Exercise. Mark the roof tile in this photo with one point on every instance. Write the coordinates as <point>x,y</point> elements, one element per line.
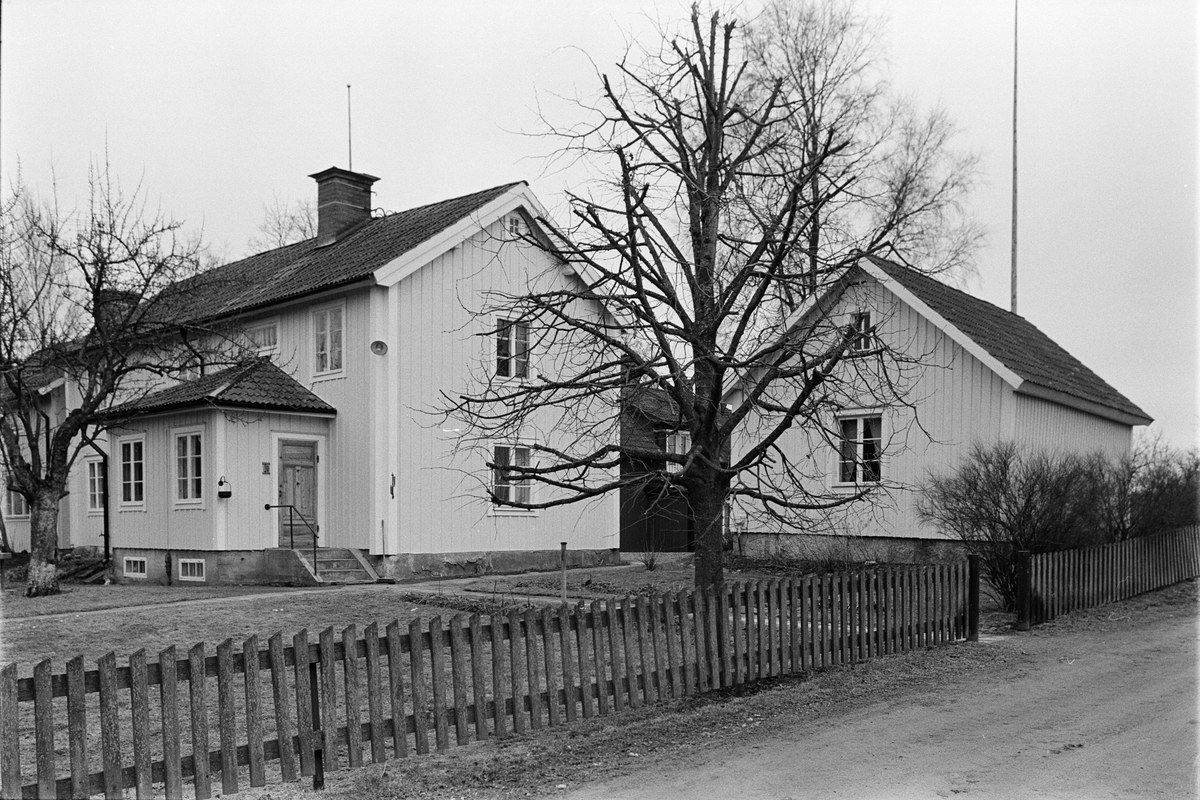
<point>1012,340</point>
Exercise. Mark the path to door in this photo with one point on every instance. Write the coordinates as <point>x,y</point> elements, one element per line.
<point>1093,715</point>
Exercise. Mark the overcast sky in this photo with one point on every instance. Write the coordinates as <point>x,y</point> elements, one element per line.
<point>218,107</point>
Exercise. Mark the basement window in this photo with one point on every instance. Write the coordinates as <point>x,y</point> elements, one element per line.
<point>135,567</point>
<point>191,569</point>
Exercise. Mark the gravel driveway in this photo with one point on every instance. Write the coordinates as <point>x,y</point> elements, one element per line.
<point>1107,711</point>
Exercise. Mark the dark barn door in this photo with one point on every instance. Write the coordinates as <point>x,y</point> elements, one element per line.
<point>655,520</point>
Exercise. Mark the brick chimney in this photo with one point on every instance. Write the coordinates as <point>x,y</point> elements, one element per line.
<point>343,201</point>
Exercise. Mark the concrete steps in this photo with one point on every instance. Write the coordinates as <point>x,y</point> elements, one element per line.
<point>342,565</point>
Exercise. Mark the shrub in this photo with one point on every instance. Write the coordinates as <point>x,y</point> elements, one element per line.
<point>1002,500</point>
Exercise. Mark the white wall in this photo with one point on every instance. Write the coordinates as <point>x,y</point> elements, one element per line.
<point>439,504</point>
<point>956,401</point>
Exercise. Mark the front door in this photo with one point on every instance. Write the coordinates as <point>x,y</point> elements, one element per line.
<point>298,489</point>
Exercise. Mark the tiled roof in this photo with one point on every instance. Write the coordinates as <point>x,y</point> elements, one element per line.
<point>1012,340</point>
<point>258,384</point>
<point>303,268</point>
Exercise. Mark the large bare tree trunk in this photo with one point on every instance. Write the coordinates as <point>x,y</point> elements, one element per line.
<point>43,545</point>
<point>708,507</point>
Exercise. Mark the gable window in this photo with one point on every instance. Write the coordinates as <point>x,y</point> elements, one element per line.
<point>133,472</point>
<point>679,443</point>
<point>507,486</point>
<point>15,504</point>
<point>328,326</point>
<point>864,336</point>
<point>516,225</point>
<point>264,338</point>
<point>512,349</point>
<point>860,450</point>
<point>189,461</point>
<point>97,486</point>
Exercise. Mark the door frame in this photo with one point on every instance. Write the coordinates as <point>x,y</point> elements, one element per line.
<point>322,480</point>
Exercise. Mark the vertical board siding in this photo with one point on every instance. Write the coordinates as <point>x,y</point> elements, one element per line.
<point>443,345</point>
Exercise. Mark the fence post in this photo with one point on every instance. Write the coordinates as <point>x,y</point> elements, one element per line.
<point>973,597</point>
<point>1023,590</point>
<point>318,735</point>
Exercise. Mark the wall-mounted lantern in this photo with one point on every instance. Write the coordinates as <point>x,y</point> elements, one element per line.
<point>224,488</point>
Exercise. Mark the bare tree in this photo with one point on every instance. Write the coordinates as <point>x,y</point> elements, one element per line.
<point>284,223</point>
<point>691,244</point>
<point>90,304</point>
<point>896,178</point>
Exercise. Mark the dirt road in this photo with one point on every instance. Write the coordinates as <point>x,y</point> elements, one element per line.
<point>1090,714</point>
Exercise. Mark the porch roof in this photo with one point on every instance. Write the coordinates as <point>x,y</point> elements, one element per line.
<point>257,384</point>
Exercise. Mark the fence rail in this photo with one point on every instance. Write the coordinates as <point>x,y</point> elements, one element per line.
<point>1069,580</point>
<point>283,711</point>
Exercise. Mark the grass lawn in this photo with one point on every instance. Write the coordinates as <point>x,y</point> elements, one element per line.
<point>160,619</point>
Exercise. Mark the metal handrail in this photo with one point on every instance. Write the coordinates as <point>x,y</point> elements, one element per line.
<point>292,513</point>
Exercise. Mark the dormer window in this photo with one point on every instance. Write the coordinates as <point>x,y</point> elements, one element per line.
<point>512,349</point>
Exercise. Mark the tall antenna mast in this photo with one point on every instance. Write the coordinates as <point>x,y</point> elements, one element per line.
<point>1014,162</point>
<point>350,135</point>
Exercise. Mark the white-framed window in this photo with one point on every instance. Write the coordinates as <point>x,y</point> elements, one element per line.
<point>507,486</point>
<point>327,328</point>
<point>97,486</point>
<point>15,505</point>
<point>135,567</point>
<point>264,338</point>
<point>860,450</point>
<point>864,334</point>
<point>189,466</point>
<point>132,456</point>
<point>678,443</point>
<point>191,569</point>
<point>512,349</point>
<point>516,225</point>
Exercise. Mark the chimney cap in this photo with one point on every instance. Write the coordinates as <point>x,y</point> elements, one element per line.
<point>338,172</point>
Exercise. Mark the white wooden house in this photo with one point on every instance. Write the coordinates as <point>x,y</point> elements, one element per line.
<point>967,372</point>
<point>361,330</point>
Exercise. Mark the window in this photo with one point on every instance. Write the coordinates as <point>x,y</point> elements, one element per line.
<point>97,486</point>
<point>328,326</point>
<point>679,443</point>
<point>506,486</point>
<point>133,472</point>
<point>135,567</point>
<point>516,226</point>
<point>864,335</point>
<point>512,349</point>
<point>859,457</point>
<point>188,461</point>
<point>191,569</point>
<point>264,338</point>
<point>15,505</point>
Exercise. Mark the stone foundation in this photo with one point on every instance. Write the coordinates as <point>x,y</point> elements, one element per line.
<point>226,567</point>
<point>412,567</point>
<point>851,549</point>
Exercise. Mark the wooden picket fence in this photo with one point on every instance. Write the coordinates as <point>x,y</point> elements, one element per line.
<point>1070,580</point>
<point>432,686</point>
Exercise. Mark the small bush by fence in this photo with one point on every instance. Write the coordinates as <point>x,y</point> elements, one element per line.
<point>283,711</point>
<point>1068,580</point>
